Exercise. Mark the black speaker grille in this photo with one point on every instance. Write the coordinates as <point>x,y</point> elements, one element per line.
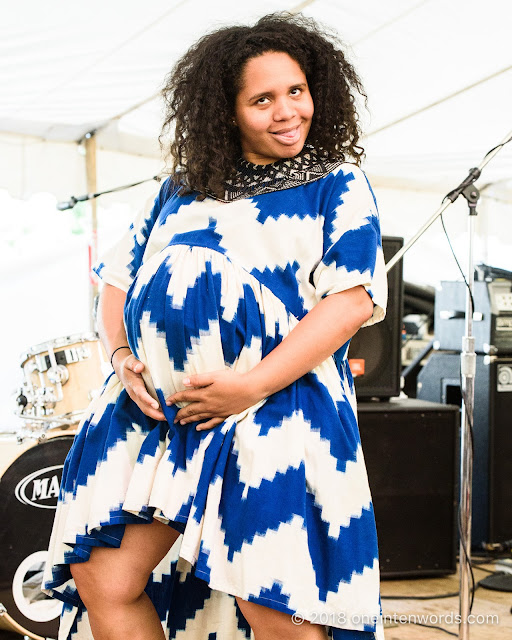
<point>380,345</point>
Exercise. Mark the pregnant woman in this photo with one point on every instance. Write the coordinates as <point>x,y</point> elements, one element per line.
<point>217,489</point>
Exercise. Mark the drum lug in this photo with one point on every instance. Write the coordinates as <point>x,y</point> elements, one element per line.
<point>22,400</point>
<point>36,402</point>
<point>83,352</point>
<point>58,374</point>
<point>33,366</point>
<point>25,399</point>
<point>45,400</point>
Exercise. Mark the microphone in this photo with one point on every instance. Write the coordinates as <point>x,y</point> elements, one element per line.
<point>69,204</point>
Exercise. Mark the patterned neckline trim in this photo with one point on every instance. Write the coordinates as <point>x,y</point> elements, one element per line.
<point>256,179</point>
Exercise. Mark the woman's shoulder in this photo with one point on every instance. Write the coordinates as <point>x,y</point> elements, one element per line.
<point>349,170</point>
<point>342,177</point>
<point>350,177</point>
<point>168,188</point>
<point>345,187</point>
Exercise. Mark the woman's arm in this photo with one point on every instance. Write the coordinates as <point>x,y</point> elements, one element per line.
<point>321,332</point>
<point>110,320</point>
<point>333,321</point>
<point>113,335</point>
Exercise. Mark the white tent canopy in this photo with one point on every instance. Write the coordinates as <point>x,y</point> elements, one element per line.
<point>438,75</point>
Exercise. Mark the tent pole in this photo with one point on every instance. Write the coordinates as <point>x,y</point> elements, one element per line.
<point>90,168</point>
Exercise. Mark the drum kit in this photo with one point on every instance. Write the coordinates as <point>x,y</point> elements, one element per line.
<point>60,378</point>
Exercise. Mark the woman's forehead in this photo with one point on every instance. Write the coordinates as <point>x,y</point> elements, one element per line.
<point>269,68</point>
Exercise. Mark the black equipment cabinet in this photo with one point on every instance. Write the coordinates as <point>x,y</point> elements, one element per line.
<point>411,450</point>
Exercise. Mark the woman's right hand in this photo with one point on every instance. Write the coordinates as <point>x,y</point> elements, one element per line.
<point>129,371</point>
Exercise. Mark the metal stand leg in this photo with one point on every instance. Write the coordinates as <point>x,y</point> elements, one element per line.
<point>468,369</point>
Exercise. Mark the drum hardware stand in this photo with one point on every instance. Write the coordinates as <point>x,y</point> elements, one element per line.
<point>468,369</point>
<point>36,427</point>
<point>37,430</point>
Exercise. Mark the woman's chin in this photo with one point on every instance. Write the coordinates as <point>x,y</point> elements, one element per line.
<point>274,154</point>
<point>289,151</point>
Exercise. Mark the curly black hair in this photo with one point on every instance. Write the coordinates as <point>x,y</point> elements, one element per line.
<point>200,92</point>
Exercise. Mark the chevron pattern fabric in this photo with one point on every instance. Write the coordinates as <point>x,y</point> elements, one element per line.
<point>273,505</point>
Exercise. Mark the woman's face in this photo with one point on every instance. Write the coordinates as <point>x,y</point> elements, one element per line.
<point>274,109</point>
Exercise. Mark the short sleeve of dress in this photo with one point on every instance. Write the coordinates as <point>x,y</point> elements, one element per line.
<point>118,266</point>
<point>352,243</point>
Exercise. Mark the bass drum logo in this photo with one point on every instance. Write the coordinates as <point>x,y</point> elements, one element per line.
<point>41,488</point>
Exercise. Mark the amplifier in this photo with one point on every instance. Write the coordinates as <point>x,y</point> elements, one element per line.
<point>492,318</point>
<point>440,381</point>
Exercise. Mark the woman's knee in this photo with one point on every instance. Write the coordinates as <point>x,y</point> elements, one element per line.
<point>119,575</point>
<point>270,624</point>
<point>98,587</point>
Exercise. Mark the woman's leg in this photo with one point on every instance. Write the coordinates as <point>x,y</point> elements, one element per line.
<point>269,624</point>
<point>111,583</point>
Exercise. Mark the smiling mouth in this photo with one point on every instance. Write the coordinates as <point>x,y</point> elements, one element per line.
<point>287,136</point>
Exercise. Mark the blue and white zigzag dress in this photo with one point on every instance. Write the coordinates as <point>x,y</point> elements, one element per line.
<point>273,505</point>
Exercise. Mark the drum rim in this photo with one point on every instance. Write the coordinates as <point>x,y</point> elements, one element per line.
<point>61,341</point>
<point>34,442</point>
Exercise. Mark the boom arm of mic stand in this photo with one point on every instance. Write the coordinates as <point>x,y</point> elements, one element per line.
<point>398,256</point>
<point>69,204</point>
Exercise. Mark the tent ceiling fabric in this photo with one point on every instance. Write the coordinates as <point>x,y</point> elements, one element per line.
<point>68,68</point>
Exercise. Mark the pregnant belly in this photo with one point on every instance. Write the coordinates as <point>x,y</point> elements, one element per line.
<point>191,310</point>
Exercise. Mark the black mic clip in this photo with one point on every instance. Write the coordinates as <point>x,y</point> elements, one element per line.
<point>69,204</point>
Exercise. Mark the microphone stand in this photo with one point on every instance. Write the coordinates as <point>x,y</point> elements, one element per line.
<point>69,204</point>
<point>468,369</point>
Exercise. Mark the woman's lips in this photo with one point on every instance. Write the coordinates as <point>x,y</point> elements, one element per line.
<point>287,136</point>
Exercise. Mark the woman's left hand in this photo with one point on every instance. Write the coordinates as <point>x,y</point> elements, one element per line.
<point>213,397</point>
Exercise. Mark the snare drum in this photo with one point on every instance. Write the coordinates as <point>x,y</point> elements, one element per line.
<point>29,488</point>
<point>61,377</point>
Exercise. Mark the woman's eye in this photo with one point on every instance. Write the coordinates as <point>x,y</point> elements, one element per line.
<point>262,100</point>
<point>296,91</point>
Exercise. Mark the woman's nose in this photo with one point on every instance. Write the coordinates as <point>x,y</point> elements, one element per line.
<point>284,109</point>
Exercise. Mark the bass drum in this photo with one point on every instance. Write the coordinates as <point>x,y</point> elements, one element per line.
<point>29,488</point>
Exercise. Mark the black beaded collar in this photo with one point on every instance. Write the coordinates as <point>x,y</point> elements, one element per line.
<point>256,179</point>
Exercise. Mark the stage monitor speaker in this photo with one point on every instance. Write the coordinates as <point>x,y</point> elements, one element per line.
<point>375,352</point>
<point>411,450</point>
<point>439,381</point>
